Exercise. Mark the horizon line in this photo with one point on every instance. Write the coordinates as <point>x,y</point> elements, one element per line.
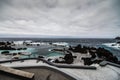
<point>65,37</point>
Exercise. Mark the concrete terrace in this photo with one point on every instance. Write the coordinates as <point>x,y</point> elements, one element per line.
<point>44,70</point>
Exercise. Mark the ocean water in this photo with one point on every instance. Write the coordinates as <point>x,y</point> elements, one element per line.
<point>112,50</point>
<point>72,41</point>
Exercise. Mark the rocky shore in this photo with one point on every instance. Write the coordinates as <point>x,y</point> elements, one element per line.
<point>96,55</point>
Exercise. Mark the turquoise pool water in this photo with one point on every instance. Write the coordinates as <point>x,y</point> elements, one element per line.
<point>31,50</point>
<point>55,54</point>
<point>35,52</point>
<point>16,51</point>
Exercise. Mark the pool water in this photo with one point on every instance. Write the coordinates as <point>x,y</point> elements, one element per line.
<point>36,52</point>
<point>55,54</point>
<point>16,51</point>
<point>31,50</point>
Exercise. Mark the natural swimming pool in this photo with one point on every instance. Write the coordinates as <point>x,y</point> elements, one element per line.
<point>16,51</point>
<point>35,52</point>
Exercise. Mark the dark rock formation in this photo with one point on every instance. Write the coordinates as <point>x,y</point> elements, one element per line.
<point>79,48</point>
<point>97,54</point>
<point>68,58</point>
<point>117,38</point>
<point>6,48</point>
<point>5,52</point>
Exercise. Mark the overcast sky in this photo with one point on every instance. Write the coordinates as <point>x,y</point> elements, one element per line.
<point>60,18</point>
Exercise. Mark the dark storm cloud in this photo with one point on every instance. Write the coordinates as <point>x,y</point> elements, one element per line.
<point>78,18</point>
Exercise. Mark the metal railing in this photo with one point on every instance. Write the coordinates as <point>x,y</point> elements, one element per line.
<point>52,64</point>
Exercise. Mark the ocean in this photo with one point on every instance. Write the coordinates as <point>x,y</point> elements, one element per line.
<point>92,42</point>
<point>72,41</point>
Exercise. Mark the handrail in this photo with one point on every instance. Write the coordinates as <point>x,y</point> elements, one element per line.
<point>104,63</point>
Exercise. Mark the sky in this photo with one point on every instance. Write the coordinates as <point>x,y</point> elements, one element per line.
<point>60,18</point>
